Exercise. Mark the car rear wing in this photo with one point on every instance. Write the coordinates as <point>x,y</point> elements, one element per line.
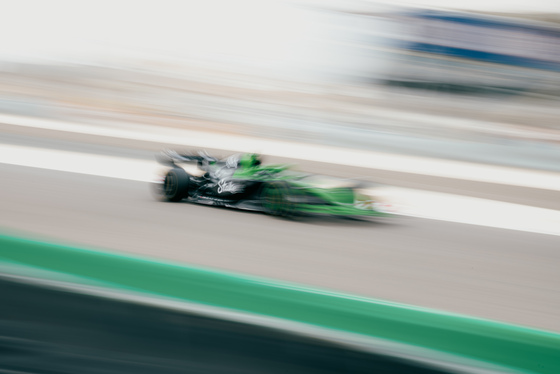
<point>170,157</point>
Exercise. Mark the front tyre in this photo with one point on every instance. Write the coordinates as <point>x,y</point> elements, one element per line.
<point>175,185</point>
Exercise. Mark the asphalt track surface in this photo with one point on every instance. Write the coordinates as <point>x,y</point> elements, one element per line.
<point>499,274</point>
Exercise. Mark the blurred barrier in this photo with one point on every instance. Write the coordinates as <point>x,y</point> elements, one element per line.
<point>470,53</point>
<point>483,38</point>
<point>492,342</point>
<point>39,328</point>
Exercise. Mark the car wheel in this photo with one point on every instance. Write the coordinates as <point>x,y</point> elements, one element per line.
<point>175,185</point>
<point>274,197</point>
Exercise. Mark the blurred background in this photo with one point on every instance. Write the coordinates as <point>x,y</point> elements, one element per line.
<point>475,81</point>
<point>353,73</point>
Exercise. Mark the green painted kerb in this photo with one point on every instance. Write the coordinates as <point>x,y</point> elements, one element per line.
<point>529,350</point>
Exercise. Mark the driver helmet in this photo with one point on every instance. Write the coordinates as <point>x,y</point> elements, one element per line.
<point>249,160</point>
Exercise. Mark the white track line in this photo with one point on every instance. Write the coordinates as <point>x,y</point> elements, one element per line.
<point>408,202</point>
<point>74,162</point>
<point>311,152</point>
<point>471,210</point>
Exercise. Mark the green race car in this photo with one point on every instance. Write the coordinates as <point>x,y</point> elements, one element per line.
<point>241,181</point>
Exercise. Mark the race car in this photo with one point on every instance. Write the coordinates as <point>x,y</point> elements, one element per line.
<point>241,181</point>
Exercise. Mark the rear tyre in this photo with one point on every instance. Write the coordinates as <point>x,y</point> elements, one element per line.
<point>175,185</point>
<point>275,199</point>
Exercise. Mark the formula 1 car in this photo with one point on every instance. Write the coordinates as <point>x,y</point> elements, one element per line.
<point>241,181</point>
